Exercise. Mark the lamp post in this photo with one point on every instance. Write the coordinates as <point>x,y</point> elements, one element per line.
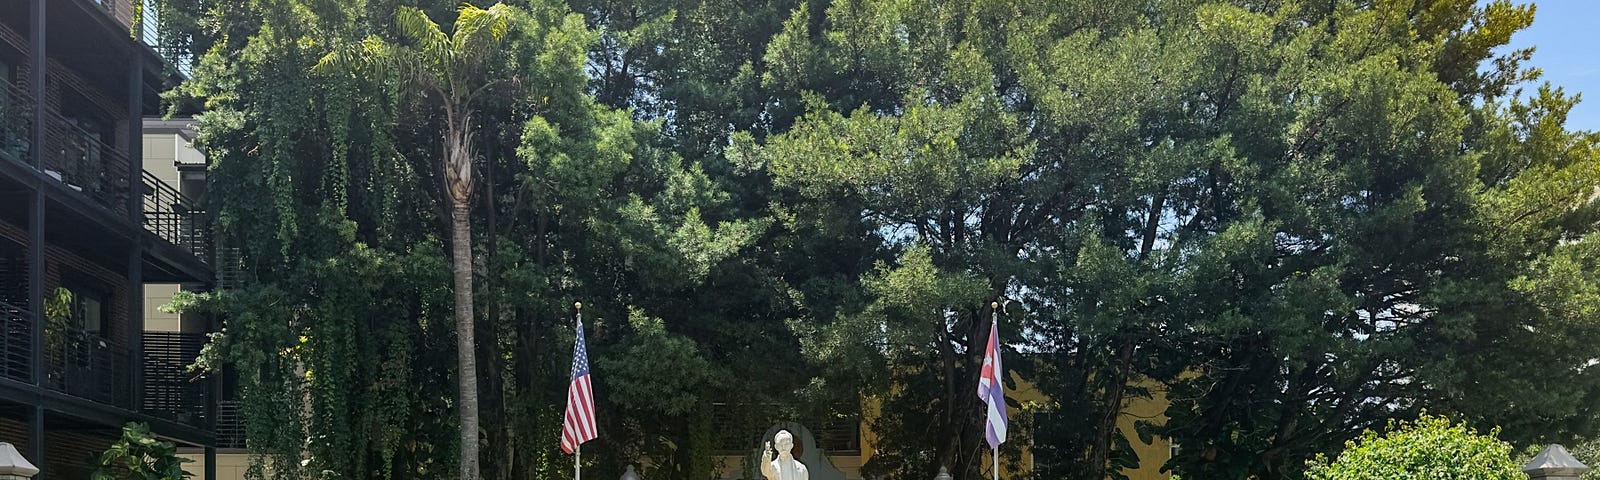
<point>13,466</point>
<point>1554,463</point>
<point>630,474</point>
<point>944,474</point>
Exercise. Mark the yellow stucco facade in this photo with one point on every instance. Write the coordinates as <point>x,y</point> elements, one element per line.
<point>231,466</point>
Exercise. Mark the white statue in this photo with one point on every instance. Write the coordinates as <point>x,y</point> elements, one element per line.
<point>785,467</point>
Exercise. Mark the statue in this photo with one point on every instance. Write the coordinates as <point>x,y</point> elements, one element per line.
<point>785,467</point>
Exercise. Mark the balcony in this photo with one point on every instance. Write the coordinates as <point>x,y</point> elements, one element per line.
<point>16,122</point>
<point>85,365</point>
<point>171,391</point>
<point>84,163</point>
<point>176,218</point>
<point>79,363</point>
<point>16,343</point>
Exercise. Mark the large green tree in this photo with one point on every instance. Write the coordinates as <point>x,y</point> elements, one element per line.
<point>450,69</point>
<point>1299,219</point>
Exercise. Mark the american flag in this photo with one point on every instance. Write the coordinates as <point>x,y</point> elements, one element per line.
<point>578,427</point>
<point>992,391</point>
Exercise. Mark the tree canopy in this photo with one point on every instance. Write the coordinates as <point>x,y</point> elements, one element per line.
<point>1299,219</point>
<point>1430,447</point>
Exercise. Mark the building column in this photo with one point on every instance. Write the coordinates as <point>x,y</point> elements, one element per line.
<point>36,198</point>
<point>135,148</point>
<point>38,64</point>
<point>211,462</point>
<point>213,395</point>
<point>36,440</point>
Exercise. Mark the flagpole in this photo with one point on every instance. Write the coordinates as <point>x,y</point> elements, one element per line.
<point>577,450</point>
<point>994,457</point>
<point>994,453</point>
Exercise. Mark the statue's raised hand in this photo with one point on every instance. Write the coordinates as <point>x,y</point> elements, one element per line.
<point>766,453</point>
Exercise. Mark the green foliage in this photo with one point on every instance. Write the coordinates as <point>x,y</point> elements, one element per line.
<point>1300,219</point>
<point>139,455</point>
<point>1430,447</point>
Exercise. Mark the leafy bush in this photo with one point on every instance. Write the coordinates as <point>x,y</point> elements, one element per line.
<point>1431,447</point>
<point>139,455</point>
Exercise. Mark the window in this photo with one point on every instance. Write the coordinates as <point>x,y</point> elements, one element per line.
<point>88,308</point>
<point>84,153</point>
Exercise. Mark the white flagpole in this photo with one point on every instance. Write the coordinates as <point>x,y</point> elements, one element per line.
<point>994,318</point>
<point>994,457</point>
<point>577,450</point>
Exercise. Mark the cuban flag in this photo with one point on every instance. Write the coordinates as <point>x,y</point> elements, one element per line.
<point>992,391</point>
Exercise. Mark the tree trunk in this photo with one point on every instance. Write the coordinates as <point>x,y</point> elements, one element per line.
<point>1106,426</point>
<point>461,264</point>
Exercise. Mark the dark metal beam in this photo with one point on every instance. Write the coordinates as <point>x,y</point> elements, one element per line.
<point>135,148</point>
<point>36,441</point>
<point>110,416</point>
<point>36,238</point>
<point>38,63</point>
<point>211,462</point>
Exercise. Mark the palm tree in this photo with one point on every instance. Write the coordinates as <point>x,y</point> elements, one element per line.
<point>451,68</point>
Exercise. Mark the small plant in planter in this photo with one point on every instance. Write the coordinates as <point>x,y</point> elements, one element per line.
<point>139,455</point>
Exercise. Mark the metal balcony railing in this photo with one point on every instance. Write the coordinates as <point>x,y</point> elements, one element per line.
<point>149,32</point>
<point>230,425</point>
<point>16,343</point>
<point>86,365</point>
<point>176,218</point>
<point>85,163</point>
<point>171,391</point>
<point>16,122</point>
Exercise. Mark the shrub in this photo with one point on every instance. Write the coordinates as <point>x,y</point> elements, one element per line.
<point>1431,447</point>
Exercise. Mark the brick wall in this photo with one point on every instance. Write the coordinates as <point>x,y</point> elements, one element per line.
<point>63,81</point>
<point>68,453</point>
<point>63,264</point>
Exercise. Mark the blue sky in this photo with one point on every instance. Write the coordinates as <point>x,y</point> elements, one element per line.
<point>1566,37</point>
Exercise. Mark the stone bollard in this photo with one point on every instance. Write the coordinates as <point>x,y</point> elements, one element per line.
<point>630,474</point>
<point>944,474</point>
<point>13,466</point>
<point>1554,463</point>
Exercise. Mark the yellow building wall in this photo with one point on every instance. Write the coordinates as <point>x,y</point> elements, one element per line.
<point>1151,455</point>
<point>230,466</point>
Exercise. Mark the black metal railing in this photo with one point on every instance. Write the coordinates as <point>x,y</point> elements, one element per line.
<point>230,425</point>
<point>229,266</point>
<point>16,122</point>
<point>84,162</point>
<point>16,343</point>
<point>149,32</point>
<point>171,391</point>
<point>86,365</point>
<point>176,218</point>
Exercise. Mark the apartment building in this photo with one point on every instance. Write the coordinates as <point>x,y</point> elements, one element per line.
<point>88,232</point>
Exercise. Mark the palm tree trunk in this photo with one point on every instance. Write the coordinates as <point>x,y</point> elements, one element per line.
<point>458,180</point>
<point>461,265</point>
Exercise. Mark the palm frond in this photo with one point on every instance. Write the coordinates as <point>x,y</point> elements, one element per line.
<point>378,60</point>
<point>479,31</point>
<point>431,42</point>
